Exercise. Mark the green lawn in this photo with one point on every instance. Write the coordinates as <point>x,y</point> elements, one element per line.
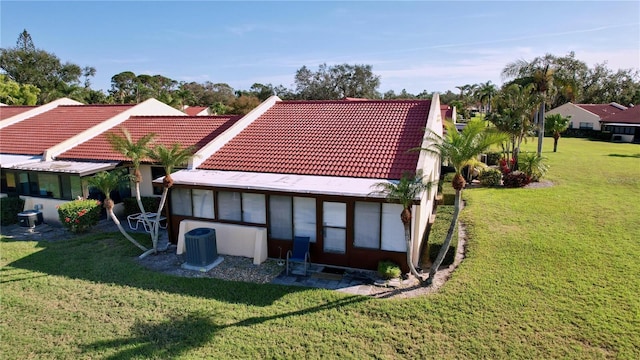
<point>549,273</point>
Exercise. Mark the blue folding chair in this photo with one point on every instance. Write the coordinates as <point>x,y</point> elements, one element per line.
<point>300,252</point>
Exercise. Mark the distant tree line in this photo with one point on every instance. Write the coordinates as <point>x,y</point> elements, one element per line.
<point>31,73</point>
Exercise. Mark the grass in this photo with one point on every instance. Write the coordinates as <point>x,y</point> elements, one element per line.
<point>549,273</point>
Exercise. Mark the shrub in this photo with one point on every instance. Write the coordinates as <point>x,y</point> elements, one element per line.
<point>9,209</point>
<point>438,233</point>
<point>150,204</point>
<point>533,165</point>
<point>79,215</point>
<point>516,179</point>
<point>493,158</point>
<point>389,269</point>
<point>490,177</point>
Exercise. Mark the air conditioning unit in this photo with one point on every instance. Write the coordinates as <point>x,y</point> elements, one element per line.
<point>201,247</point>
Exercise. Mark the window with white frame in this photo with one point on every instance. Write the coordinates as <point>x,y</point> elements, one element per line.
<point>378,226</point>
<point>586,125</point>
<point>292,216</point>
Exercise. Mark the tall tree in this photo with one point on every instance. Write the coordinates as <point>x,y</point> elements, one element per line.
<point>405,193</point>
<point>107,182</point>
<point>515,106</point>
<point>136,151</point>
<point>25,64</point>
<point>485,92</point>
<point>460,149</point>
<point>555,124</point>
<point>12,93</point>
<point>540,73</point>
<point>170,158</point>
<point>336,82</point>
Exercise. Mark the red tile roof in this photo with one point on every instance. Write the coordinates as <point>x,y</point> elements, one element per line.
<point>629,116</point>
<point>34,135</point>
<point>194,110</point>
<point>11,110</point>
<point>366,139</point>
<point>602,110</point>
<point>194,131</point>
<point>446,111</point>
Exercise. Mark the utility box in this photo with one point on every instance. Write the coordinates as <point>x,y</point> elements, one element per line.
<point>201,246</point>
<point>30,218</point>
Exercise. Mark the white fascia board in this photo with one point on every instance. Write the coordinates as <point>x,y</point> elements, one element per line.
<point>427,160</point>
<point>69,167</point>
<point>289,183</point>
<point>148,107</point>
<point>37,111</point>
<point>206,151</point>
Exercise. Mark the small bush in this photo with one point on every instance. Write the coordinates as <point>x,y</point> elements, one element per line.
<point>493,158</point>
<point>79,215</point>
<point>389,269</point>
<point>438,233</point>
<point>9,209</point>
<point>150,204</point>
<point>516,179</point>
<point>490,177</point>
<point>533,165</point>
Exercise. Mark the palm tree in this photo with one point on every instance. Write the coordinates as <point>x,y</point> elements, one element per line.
<point>136,151</point>
<point>405,192</point>
<point>170,158</point>
<point>460,149</point>
<point>485,92</point>
<point>556,124</point>
<point>107,182</point>
<point>515,106</point>
<point>540,73</point>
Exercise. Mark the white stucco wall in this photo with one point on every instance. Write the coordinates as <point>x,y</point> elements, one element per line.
<point>50,210</point>
<point>429,164</point>
<point>234,240</point>
<point>577,115</point>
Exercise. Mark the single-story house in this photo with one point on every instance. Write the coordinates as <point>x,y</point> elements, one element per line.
<point>586,116</point>
<point>32,139</point>
<point>623,126</point>
<point>309,168</point>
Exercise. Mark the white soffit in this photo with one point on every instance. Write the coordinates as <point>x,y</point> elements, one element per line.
<point>70,167</point>
<point>302,184</point>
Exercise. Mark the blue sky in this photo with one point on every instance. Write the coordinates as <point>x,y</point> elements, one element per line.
<point>412,45</point>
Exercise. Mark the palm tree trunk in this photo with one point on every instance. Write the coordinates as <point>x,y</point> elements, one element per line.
<point>122,230</point>
<point>143,213</point>
<point>447,241</point>
<point>407,237</point>
<point>556,136</point>
<point>156,224</point>
<point>540,128</point>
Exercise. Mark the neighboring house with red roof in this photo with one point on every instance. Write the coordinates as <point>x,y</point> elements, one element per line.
<point>309,168</point>
<point>32,140</point>
<point>196,110</point>
<point>586,116</point>
<point>623,126</point>
<point>448,112</point>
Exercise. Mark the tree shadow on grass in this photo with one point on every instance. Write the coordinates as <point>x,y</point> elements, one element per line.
<point>107,258</point>
<point>181,333</point>
<point>637,156</point>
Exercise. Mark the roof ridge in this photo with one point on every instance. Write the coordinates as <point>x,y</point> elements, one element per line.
<point>358,102</point>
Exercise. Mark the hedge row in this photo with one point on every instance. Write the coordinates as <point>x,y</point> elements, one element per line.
<point>9,209</point>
